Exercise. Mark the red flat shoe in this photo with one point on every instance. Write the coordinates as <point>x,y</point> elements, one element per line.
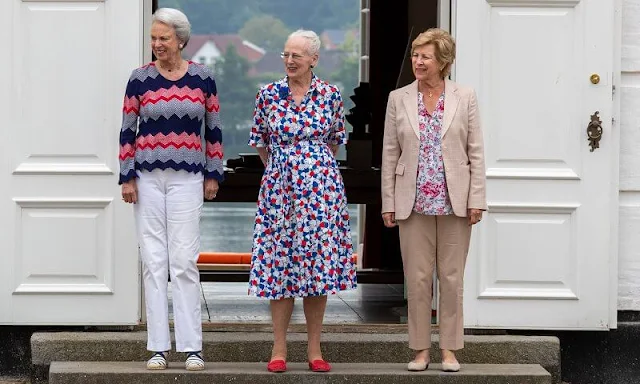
<point>319,366</point>
<point>277,366</point>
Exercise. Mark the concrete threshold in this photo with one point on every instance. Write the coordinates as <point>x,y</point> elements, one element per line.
<point>13,380</point>
<point>250,373</point>
<point>251,347</point>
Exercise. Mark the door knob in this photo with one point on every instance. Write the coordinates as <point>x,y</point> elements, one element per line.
<point>594,131</point>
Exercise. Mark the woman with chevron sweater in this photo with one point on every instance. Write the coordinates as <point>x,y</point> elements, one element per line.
<point>164,172</point>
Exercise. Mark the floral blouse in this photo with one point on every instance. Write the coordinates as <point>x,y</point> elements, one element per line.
<point>432,197</point>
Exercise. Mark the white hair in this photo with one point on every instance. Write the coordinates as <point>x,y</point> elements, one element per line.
<point>176,19</point>
<point>313,47</point>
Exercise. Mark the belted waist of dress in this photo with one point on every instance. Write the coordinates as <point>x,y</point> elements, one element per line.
<point>285,169</point>
<point>290,144</point>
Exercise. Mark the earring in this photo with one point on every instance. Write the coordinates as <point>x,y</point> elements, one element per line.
<point>180,46</point>
<point>312,65</point>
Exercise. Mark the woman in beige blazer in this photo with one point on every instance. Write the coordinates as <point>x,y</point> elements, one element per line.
<point>433,188</point>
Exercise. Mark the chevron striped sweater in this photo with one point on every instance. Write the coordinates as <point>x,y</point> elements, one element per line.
<point>162,122</point>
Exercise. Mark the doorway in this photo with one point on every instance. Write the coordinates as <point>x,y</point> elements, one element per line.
<point>353,52</point>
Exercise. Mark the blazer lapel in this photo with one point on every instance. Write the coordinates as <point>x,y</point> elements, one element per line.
<point>410,101</point>
<point>451,100</point>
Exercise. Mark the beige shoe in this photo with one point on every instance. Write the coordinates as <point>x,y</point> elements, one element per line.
<point>416,366</point>
<point>450,367</point>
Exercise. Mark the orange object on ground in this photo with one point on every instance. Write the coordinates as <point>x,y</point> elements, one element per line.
<point>222,258</point>
<point>231,258</point>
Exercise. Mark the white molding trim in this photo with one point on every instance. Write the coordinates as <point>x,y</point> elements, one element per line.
<point>444,15</point>
<point>365,45</point>
<point>65,1</point>
<point>534,3</point>
<point>63,164</point>
<point>34,202</point>
<point>528,293</point>
<point>62,169</point>
<point>62,288</point>
<point>532,173</point>
<point>532,207</point>
<point>96,285</point>
<point>547,290</point>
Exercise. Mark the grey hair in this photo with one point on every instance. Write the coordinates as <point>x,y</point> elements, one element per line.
<point>312,39</point>
<point>176,19</point>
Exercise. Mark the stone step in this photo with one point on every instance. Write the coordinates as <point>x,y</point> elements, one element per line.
<point>250,373</point>
<point>13,380</point>
<point>256,347</point>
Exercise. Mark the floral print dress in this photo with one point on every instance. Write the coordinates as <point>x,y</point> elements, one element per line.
<point>302,240</point>
<point>432,197</point>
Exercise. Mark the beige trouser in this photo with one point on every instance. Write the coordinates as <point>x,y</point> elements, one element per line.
<point>443,241</point>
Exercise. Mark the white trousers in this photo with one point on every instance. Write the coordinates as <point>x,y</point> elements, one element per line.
<point>168,227</point>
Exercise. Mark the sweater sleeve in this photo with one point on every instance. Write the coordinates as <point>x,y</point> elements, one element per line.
<point>213,132</point>
<point>130,114</point>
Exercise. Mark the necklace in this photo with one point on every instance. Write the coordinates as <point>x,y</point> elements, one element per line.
<point>430,92</point>
<point>170,70</point>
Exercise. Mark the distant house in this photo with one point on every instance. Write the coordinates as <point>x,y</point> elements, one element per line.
<point>333,39</point>
<point>207,49</point>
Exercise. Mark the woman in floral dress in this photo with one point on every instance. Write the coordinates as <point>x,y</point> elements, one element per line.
<point>302,241</point>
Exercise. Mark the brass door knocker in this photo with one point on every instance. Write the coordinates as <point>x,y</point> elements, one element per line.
<point>594,131</point>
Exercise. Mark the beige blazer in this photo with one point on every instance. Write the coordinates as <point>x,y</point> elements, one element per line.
<point>462,150</point>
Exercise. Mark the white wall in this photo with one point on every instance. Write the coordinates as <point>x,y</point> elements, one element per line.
<point>629,249</point>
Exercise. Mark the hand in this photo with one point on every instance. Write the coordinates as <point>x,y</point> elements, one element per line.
<point>389,219</point>
<point>130,192</point>
<point>210,189</point>
<point>474,215</point>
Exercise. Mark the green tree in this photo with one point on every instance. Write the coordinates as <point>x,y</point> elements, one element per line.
<point>268,77</point>
<point>228,16</point>
<point>265,31</point>
<point>214,16</point>
<point>177,4</point>
<point>347,75</point>
<point>237,92</point>
<point>316,15</point>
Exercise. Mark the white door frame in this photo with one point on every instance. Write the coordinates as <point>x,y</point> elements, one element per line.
<point>147,8</point>
<point>615,189</point>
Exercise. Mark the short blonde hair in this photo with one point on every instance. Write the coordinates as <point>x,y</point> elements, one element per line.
<point>445,47</point>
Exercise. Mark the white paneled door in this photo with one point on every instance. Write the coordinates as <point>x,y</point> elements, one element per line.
<point>544,257</point>
<point>68,253</point>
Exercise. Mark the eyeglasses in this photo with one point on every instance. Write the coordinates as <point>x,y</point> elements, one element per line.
<point>294,56</point>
